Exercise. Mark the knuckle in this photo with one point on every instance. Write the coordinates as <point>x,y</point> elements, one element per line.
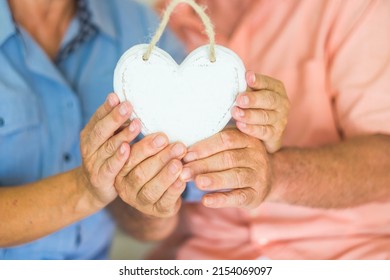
<point>229,159</point>
<point>101,112</point>
<point>264,132</point>
<point>227,138</point>
<point>125,190</point>
<point>138,174</point>
<point>109,147</point>
<point>203,167</point>
<point>145,196</point>
<point>270,99</point>
<point>265,117</point>
<point>161,158</point>
<point>240,178</point>
<point>98,132</point>
<point>164,209</point>
<point>110,167</point>
<point>242,198</point>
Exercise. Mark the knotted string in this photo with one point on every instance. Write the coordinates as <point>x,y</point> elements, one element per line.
<point>209,28</point>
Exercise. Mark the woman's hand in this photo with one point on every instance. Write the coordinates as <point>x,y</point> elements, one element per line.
<point>149,181</point>
<point>104,144</point>
<point>262,111</point>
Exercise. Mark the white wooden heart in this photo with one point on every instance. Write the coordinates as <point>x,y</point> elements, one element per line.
<point>189,102</point>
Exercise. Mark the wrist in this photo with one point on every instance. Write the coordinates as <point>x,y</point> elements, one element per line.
<point>276,161</point>
<point>88,200</point>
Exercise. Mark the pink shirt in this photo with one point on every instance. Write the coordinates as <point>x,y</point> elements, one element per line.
<point>334,59</point>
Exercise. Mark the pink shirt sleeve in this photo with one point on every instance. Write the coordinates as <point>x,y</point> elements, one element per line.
<point>360,68</point>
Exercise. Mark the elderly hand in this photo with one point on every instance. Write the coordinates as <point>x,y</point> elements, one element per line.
<point>105,149</point>
<point>232,166</point>
<point>149,181</point>
<point>262,111</point>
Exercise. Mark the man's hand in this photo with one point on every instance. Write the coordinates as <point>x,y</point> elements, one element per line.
<point>105,149</point>
<point>149,181</point>
<point>262,111</point>
<point>232,166</point>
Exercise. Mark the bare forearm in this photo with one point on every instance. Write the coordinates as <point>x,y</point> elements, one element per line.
<point>336,176</point>
<point>32,211</point>
<point>140,226</point>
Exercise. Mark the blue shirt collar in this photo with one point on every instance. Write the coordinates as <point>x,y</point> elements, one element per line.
<point>8,27</point>
<point>101,18</point>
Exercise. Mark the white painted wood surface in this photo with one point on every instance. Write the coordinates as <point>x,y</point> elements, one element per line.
<point>188,102</point>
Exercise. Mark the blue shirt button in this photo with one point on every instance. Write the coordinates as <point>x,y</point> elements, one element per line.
<point>1,122</point>
<point>67,157</point>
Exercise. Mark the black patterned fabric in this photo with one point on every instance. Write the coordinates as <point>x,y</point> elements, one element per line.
<point>86,31</point>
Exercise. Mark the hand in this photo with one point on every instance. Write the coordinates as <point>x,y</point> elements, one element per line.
<point>231,165</point>
<point>105,149</point>
<point>263,110</point>
<point>149,181</point>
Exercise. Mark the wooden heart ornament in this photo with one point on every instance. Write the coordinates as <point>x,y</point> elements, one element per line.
<point>188,102</point>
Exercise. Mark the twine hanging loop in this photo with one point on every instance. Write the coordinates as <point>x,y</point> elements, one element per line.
<point>209,28</point>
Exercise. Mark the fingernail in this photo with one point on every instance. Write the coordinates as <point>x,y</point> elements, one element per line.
<point>186,174</point>
<point>124,109</point>
<point>133,126</point>
<point>190,157</point>
<point>110,100</point>
<point>159,141</point>
<point>173,168</point>
<point>204,182</point>
<point>251,78</point>
<point>177,150</point>
<point>243,100</point>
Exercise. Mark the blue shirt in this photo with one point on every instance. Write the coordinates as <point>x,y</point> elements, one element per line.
<point>44,106</point>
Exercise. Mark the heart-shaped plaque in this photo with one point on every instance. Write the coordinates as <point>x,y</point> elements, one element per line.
<point>189,102</point>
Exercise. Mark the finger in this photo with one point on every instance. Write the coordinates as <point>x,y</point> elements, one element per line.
<point>236,178</point>
<point>262,132</point>
<point>111,102</point>
<point>271,139</point>
<point>228,139</point>
<point>153,190</point>
<point>239,198</point>
<point>127,135</point>
<point>123,126</point>
<point>107,126</point>
<point>260,82</point>
<point>221,161</point>
<point>170,203</point>
<point>111,167</point>
<point>263,99</point>
<point>143,149</point>
<point>255,116</point>
<point>149,168</point>
<point>273,146</point>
